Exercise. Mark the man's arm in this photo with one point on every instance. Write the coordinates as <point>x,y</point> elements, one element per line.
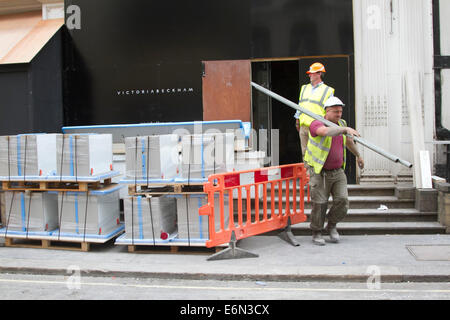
<point>351,145</point>
<point>335,131</point>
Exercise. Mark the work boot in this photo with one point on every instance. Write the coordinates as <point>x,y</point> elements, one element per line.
<point>334,235</point>
<point>317,238</point>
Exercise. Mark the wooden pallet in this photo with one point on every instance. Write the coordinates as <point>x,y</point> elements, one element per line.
<point>47,244</point>
<point>54,240</point>
<point>172,249</point>
<point>55,185</point>
<point>161,189</point>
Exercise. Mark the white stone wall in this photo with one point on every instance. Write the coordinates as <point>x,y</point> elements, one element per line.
<point>444,13</point>
<point>392,38</point>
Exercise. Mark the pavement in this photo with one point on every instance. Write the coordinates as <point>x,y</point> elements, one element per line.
<point>355,258</point>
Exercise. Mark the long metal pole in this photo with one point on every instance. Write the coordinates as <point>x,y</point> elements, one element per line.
<point>331,124</point>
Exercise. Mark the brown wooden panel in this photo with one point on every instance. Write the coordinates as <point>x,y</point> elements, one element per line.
<point>226,90</point>
<point>30,45</point>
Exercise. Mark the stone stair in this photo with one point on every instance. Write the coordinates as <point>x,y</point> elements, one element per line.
<point>366,217</point>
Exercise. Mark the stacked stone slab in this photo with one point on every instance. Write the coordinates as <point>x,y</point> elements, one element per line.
<point>192,227</point>
<point>62,158</point>
<point>48,155</point>
<point>152,157</point>
<point>151,219</point>
<point>95,212</point>
<point>30,211</point>
<point>206,154</point>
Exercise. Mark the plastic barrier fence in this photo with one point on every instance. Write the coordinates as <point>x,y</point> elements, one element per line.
<point>277,205</point>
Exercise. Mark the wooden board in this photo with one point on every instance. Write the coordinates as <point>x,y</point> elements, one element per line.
<point>173,249</point>
<point>53,186</point>
<point>47,244</point>
<point>226,90</point>
<point>14,28</point>
<point>160,189</point>
<point>30,45</point>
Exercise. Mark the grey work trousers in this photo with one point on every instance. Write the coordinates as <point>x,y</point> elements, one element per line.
<point>303,134</point>
<point>332,182</point>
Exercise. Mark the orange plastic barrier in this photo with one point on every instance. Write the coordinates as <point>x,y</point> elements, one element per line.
<point>274,216</point>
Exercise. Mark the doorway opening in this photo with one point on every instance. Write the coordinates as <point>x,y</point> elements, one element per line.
<point>285,77</point>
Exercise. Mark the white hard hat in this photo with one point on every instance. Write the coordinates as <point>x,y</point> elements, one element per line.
<point>333,101</point>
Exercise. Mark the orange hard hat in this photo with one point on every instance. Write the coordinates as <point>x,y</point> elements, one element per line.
<point>316,67</point>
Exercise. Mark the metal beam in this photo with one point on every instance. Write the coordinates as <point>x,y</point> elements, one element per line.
<point>331,124</point>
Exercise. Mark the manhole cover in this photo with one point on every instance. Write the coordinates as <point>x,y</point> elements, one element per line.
<point>437,252</point>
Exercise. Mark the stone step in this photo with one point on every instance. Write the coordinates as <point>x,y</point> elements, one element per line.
<point>355,202</point>
<point>366,215</point>
<point>390,215</point>
<point>375,228</point>
<point>368,190</point>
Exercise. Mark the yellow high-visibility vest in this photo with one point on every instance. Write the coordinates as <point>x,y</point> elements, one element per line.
<point>313,101</point>
<point>318,148</point>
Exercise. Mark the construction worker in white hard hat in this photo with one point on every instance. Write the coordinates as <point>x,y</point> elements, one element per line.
<point>326,157</point>
<point>312,97</point>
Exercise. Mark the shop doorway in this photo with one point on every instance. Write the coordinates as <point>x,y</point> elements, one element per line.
<point>285,78</point>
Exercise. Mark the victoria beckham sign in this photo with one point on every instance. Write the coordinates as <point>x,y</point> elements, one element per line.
<point>153,91</point>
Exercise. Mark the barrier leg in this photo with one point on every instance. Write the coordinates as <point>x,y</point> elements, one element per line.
<point>287,234</point>
<point>232,252</point>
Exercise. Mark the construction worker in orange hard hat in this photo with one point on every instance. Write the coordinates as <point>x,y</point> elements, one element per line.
<point>316,67</point>
<point>312,97</point>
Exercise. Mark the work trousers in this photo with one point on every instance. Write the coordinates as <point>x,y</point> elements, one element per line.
<point>303,133</point>
<point>332,182</point>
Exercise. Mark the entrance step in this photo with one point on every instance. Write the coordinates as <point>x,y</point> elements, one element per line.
<point>373,209</point>
<point>365,215</point>
<point>377,228</point>
<point>390,215</point>
<point>357,190</point>
<point>356,202</point>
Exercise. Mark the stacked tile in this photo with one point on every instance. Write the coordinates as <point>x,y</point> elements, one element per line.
<point>28,155</point>
<point>30,211</point>
<point>83,154</point>
<point>152,157</point>
<point>150,219</point>
<point>193,227</point>
<point>99,216</point>
<point>206,154</point>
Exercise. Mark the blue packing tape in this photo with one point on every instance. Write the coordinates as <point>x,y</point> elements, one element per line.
<point>19,168</point>
<point>203,166</point>
<point>144,162</point>
<point>200,218</point>
<point>141,233</point>
<point>71,155</point>
<point>22,204</point>
<point>76,213</point>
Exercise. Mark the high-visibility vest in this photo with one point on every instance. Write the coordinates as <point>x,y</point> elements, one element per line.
<point>318,148</point>
<point>313,101</point>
